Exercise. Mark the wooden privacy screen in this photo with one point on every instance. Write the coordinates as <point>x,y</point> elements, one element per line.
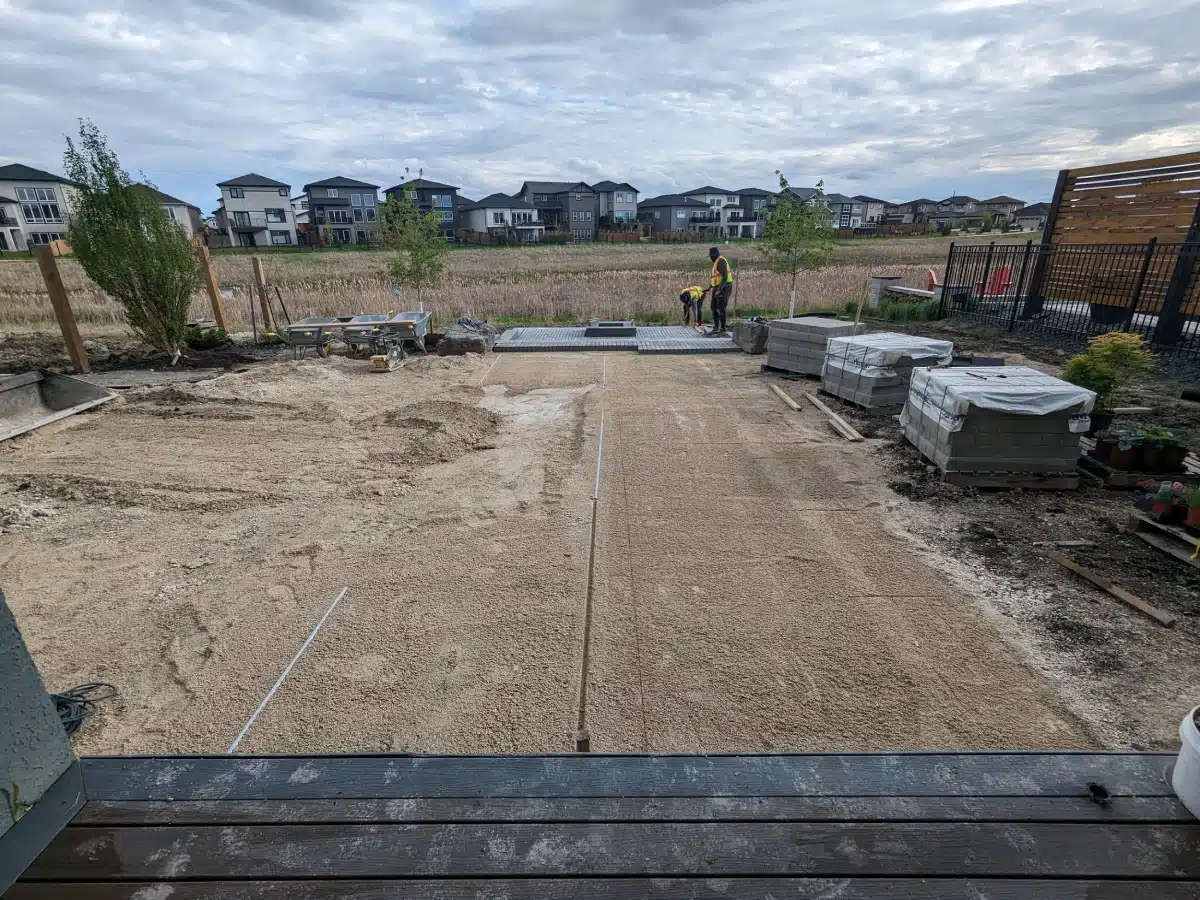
<point>1125,203</point>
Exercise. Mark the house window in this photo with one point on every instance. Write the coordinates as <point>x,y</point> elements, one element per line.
<point>412,195</point>
<point>358,214</point>
<point>574,216</point>
<point>370,214</point>
<point>283,192</point>
<point>276,216</point>
<point>497,218</point>
<point>447,215</point>
<point>42,238</point>
<point>731,199</point>
<point>845,221</point>
<point>356,200</point>
<point>589,215</point>
<point>242,219</point>
<point>236,193</point>
<point>304,204</point>
<point>331,192</point>
<point>714,202</point>
<point>679,214</point>
<point>369,199</point>
<point>656,214</point>
<point>281,237</point>
<point>339,216</point>
<point>342,235</point>
<point>442,200</point>
<point>39,205</point>
<point>169,212</point>
<point>579,196</point>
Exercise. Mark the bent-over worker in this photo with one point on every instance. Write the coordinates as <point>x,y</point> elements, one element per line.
<point>692,299</point>
<point>722,287</point>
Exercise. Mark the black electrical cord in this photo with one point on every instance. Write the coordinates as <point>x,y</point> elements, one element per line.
<point>79,703</point>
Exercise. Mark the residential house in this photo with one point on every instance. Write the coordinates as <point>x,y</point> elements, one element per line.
<point>847,211</point>
<point>36,206</point>
<point>725,206</point>
<point>500,215</point>
<point>958,205</point>
<point>873,210</point>
<point>916,212</point>
<point>256,211</point>
<point>1002,208</point>
<point>749,216</point>
<point>618,201</point>
<point>564,206</point>
<point>300,210</point>
<point>957,220</point>
<point>178,211</point>
<point>427,195</point>
<point>1033,218</point>
<point>343,210</point>
<point>675,212</point>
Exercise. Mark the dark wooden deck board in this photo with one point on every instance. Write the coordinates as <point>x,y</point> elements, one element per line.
<point>622,889</point>
<point>607,849</point>
<point>815,775</point>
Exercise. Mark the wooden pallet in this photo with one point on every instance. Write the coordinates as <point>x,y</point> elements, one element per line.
<point>1119,479</point>
<point>788,373</point>
<point>1170,539</point>
<point>1029,481</point>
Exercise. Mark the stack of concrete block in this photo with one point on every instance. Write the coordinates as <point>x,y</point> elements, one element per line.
<point>798,345</point>
<point>1003,419</point>
<point>874,370</point>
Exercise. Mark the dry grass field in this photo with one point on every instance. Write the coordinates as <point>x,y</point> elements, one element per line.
<point>544,282</point>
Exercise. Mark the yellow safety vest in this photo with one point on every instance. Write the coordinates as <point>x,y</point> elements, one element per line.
<point>717,281</point>
<point>695,292</point>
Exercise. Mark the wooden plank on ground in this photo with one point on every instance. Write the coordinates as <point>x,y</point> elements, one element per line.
<point>840,425</point>
<point>633,809</point>
<point>684,775</point>
<point>61,303</point>
<point>618,889</point>
<point>943,849</point>
<point>1162,618</point>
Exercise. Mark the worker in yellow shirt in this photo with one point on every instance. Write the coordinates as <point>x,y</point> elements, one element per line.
<point>722,287</point>
<point>692,299</point>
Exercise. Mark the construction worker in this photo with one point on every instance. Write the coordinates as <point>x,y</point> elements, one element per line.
<point>692,299</point>
<point>722,287</point>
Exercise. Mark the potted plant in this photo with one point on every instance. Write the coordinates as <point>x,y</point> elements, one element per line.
<point>1174,451</point>
<point>1105,441</point>
<point>1150,458</point>
<point>1192,497</point>
<point>1109,364</point>
<point>1164,507</point>
<point>1124,451</point>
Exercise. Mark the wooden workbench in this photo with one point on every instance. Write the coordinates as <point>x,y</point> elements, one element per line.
<point>944,825</point>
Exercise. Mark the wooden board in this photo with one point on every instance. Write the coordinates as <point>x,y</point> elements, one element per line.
<point>840,425</point>
<point>1162,618</point>
<point>1170,539</point>
<point>61,303</point>
<point>1011,480</point>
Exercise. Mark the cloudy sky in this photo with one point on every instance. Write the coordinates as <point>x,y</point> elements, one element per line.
<point>899,99</point>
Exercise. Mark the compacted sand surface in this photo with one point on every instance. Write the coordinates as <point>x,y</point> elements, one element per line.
<point>750,589</point>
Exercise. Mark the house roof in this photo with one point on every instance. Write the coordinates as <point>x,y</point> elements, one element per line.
<point>421,184</point>
<point>613,186</point>
<point>22,172</point>
<point>804,193</point>
<point>840,198</point>
<point>922,200</point>
<point>862,198</point>
<point>1003,198</point>
<point>708,189</point>
<point>960,198</point>
<point>672,200</point>
<point>167,198</point>
<point>755,192</point>
<point>253,179</point>
<point>500,201</point>
<point>1038,209</point>
<point>340,181</point>
<point>463,202</point>
<point>552,187</point>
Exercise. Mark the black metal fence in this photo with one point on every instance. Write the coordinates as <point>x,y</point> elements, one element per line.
<point>1064,294</point>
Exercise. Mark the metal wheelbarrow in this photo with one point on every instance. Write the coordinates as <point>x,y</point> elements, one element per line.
<point>313,333</point>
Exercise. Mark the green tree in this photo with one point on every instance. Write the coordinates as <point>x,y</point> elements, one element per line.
<point>416,240</point>
<point>986,223</point>
<point>127,245</point>
<point>798,234</point>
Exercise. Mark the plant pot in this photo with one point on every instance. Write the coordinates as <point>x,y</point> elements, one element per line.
<point>1122,458</point>
<point>1150,458</point>
<point>1178,514</point>
<point>1186,777</point>
<point>1101,421</point>
<point>1193,518</point>
<point>1104,448</point>
<point>1163,510</point>
<point>1172,458</point>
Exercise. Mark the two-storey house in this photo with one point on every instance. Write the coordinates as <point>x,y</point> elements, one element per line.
<point>916,212</point>
<point>428,195</point>
<point>565,206</point>
<point>35,207</point>
<point>748,217</point>
<point>873,210</point>
<point>618,201</point>
<point>722,203</point>
<point>1033,218</point>
<point>343,210</point>
<point>958,205</point>
<point>1002,208</point>
<point>182,213</point>
<point>675,212</point>
<point>256,211</point>
<point>847,211</point>
<point>502,215</point>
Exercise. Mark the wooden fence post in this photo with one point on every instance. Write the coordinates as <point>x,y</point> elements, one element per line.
<point>62,310</point>
<point>260,280</point>
<point>210,284</point>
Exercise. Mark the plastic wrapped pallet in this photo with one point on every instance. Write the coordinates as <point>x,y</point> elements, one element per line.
<point>798,344</point>
<point>1003,419</point>
<point>874,370</point>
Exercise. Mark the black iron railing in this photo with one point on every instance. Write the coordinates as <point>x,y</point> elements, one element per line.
<point>1067,293</point>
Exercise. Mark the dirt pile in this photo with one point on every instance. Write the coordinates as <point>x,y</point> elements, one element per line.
<point>437,431</point>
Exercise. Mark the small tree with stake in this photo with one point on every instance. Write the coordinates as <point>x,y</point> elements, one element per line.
<point>798,234</point>
<point>127,245</point>
<point>417,242</point>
